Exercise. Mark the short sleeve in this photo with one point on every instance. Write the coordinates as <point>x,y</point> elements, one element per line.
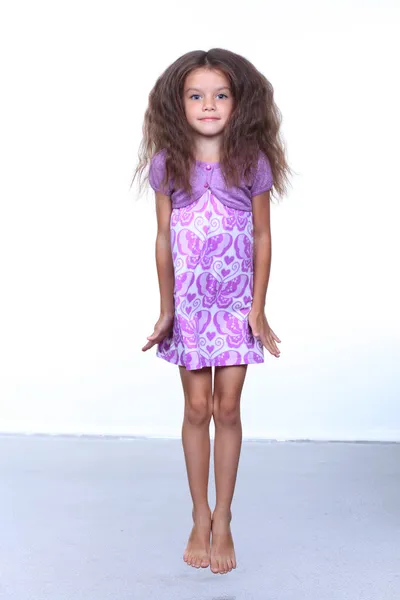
<point>157,173</point>
<point>263,179</point>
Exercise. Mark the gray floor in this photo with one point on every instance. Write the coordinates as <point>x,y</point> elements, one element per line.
<point>98,518</point>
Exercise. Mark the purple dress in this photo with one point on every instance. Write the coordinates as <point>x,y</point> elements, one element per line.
<point>212,250</point>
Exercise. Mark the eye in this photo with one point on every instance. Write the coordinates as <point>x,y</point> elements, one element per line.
<point>223,95</point>
<point>194,95</point>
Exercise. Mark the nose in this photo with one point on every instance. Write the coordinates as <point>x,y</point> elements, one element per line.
<point>209,103</point>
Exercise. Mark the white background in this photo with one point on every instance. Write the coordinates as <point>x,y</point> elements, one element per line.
<point>79,290</point>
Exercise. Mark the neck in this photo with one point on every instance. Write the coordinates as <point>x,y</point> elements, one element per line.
<point>207,149</point>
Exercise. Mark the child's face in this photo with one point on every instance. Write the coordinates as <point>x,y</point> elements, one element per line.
<point>207,95</point>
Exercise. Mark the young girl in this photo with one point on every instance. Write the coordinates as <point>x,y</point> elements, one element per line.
<point>211,133</point>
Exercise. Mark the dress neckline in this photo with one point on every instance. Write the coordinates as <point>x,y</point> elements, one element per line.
<point>201,163</point>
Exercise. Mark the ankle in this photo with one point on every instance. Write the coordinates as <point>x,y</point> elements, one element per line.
<point>201,513</point>
<point>222,513</point>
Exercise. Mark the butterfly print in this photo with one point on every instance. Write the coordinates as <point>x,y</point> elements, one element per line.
<point>202,252</point>
<point>193,327</point>
<point>212,254</point>
<point>235,330</point>
<point>244,250</point>
<point>219,291</point>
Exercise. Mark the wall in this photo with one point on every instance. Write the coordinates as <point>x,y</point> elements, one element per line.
<point>77,267</point>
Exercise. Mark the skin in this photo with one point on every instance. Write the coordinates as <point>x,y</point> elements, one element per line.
<point>212,97</point>
<point>207,95</point>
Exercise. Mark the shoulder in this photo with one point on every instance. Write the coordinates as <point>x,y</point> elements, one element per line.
<point>263,161</point>
<point>157,172</point>
<point>157,162</point>
<point>263,178</point>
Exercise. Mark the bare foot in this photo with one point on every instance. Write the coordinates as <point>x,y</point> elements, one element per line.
<point>223,557</point>
<point>197,553</point>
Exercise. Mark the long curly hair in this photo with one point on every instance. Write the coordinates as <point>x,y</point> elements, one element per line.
<point>254,124</point>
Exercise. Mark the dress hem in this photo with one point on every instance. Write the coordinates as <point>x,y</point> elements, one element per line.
<point>211,363</point>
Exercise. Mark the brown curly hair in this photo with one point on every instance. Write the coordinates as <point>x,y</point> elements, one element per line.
<point>254,124</point>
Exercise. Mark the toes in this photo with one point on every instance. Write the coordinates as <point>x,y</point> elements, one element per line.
<point>196,562</point>
<point>214,566</point>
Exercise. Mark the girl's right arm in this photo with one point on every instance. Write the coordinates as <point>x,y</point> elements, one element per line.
<point>165,267</point>
<point>165,271</point>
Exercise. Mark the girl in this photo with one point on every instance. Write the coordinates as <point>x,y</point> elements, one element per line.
<point>211,133</point>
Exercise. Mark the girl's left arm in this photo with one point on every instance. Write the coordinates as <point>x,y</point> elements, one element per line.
<point>262,248</point>
<point>262,268</point>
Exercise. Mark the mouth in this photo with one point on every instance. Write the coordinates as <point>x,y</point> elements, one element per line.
<point>209,119</point>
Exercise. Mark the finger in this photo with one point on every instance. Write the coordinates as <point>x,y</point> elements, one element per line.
<point>147,346</point>
<point>260,335</point>
<point>274,348</point>
<point>152,336</point>
<point>150,344</point>
<point>264,341</point>
<point>270,346</point>
<point>275,336</point>
<point>255,333</point>
<point>157,335</point>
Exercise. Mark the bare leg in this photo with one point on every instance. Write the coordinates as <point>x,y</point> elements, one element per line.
<point>197,387</point>
<point>228,385</point>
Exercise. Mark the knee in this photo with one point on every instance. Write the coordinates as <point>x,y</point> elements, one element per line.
<point>226,411</point>
<point>198,410</point>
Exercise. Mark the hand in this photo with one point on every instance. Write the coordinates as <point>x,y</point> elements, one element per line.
<point>261,330</point>
<point>161,330</point>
